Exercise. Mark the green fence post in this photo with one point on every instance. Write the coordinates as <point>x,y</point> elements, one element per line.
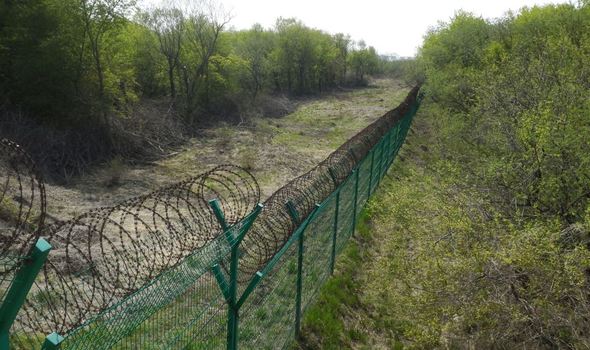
<point>379,163</point>
<point>396,142</point>
<point>390,146</point>
<point>296,220</point>
<point>335,229</point>
<point>381,159</point>
<point>356,197</point>
<point>232,313</point>
<point>21,285</point>
<point>218,212</point>
<point>334,233</point>
<point>299,284</point>
<point>232,286</point>
<point>371,173</point>
<point>387,151</point>
<point>52,341</point>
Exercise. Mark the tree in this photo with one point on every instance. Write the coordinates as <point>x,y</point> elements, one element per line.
<point>37,63</point>
<point>167,24</point>
<point>296,54</point>
<point>363,61</point>
<point>101,17</point>
<point>204,24</point>
<point>518,91</point>
<point>342,43</point>
<point>255,46</point>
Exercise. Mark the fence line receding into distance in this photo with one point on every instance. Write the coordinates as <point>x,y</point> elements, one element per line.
<point>199,264</point>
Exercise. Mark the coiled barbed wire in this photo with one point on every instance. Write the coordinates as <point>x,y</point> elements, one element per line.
<point>22,200</point>
<point>106,254</point>
<point>274,225</point>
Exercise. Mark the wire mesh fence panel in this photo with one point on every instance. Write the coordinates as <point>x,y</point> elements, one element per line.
<point>157,315</point>
<point>267,319</point>
<point>199,264</point>
<point>346,213</point>
<point>364,179</point>
<point>8,265</point>
<point>317,251</point>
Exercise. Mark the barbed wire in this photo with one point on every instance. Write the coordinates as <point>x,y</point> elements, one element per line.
<point>22,200</point>
<point>274,225</point>
<point>108,253</point>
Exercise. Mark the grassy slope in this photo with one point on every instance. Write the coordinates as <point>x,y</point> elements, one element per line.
<point>275,149</point>
<point>362,305</point>
<point>439,264</point>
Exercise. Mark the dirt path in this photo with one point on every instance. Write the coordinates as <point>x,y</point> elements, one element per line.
<point>275,150</point>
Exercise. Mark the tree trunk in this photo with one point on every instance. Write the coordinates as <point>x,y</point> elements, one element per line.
<point>171,78</point>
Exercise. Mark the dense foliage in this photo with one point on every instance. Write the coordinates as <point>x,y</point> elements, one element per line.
<point>518,92</point>
<point>92,64</point>
<point>481,238</point>
<point>493,208</point>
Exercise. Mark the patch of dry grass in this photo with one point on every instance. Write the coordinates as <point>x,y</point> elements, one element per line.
<point>274,149</point>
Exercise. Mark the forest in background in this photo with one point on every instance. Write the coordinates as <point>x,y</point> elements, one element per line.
<point>82,81</point>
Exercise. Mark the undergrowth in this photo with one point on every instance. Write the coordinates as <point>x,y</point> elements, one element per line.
<point>324,325</point>
<point>439,262</point>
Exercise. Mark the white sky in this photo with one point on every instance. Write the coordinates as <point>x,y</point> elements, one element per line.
<point>395,26</point>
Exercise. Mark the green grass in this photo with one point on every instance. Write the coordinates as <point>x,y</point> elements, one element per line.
<point>323,324</point>
<point>437,264</point>
<point>342,317</point>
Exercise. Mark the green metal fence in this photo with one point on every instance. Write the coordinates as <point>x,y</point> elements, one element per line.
<point>203,302</point>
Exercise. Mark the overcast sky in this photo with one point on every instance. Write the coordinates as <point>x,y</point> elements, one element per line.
<point>393,26</point>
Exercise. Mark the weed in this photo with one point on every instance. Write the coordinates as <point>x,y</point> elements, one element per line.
<point>114,172</point>
<point>248,158</point>
<point>224,136</point>
<point>9,211</point>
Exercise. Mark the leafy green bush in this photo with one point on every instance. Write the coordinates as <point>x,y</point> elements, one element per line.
<point>517,89</point>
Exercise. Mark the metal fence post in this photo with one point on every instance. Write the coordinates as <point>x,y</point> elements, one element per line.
<point>387,151</point>
<point>299,284</point>
<point>371,173</point>
<point>381,159</point>
<point>379,163</point>
<point>232,312</point>
<point>21,285</point>
<point>335,229</point>
<point>297,220</point>
<point>52,341</point>
<point>230,289</point>
<point>356,196</point>
<point>334,233</point>
<point>397,142</point>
